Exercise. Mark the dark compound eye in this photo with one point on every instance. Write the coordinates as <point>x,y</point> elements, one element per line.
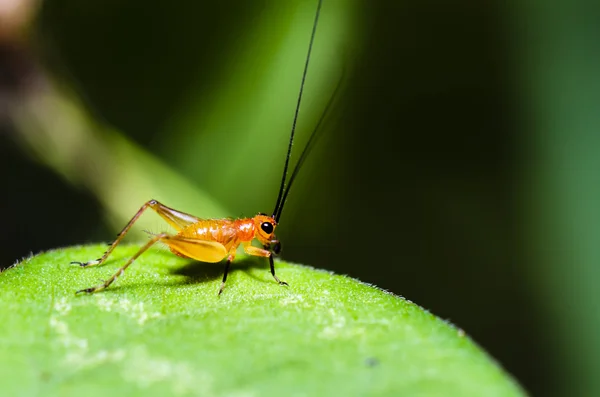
<point>267,227</point>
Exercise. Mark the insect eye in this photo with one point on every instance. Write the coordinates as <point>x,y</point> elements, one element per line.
<point>267,227</point>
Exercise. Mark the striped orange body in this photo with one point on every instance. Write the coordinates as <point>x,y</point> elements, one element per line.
<point>221,237</point>
<point>228,232</point>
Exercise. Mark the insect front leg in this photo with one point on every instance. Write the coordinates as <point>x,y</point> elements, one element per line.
<point>255,251</point>
<point>122,269</point>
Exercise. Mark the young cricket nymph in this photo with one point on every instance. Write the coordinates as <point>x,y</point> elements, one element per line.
<point>212,240</point>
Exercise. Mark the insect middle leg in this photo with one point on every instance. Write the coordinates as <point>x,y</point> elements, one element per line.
<point>252,250</point>
<point>229,259</point>
<point>177,219</point>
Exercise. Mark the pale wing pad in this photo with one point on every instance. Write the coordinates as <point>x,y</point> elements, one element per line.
<point>200,250</point>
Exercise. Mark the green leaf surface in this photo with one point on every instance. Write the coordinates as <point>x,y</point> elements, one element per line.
<point>162,330</point>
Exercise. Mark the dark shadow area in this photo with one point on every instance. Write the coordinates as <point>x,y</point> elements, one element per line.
<point>195,272</point>
<point>199,272</point>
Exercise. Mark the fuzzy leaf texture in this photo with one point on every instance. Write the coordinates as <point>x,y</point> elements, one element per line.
<point>161,330</point>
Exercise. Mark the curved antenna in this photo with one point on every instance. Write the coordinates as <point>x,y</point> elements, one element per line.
<point>314,136</point>
<point>289,151</point>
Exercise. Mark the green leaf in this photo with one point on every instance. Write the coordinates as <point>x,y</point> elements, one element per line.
<point>162,330</point>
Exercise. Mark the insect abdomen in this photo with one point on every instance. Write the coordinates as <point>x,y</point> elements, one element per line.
<point>219,230</point>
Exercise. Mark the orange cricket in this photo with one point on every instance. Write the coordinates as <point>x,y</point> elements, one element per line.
<point>205,240</point>
<point>212,240</point>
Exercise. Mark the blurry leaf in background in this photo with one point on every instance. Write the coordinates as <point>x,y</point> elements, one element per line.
<point>57,132</point>
<point>561,63</point>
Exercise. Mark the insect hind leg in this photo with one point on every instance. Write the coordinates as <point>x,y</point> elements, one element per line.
<point>177,219</point>
<point>122,269</point>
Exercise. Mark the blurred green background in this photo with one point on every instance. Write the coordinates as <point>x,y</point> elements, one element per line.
<point>459,167</point>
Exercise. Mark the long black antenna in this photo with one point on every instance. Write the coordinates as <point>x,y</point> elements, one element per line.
<point>280,197</point>
<point>309,145</point>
